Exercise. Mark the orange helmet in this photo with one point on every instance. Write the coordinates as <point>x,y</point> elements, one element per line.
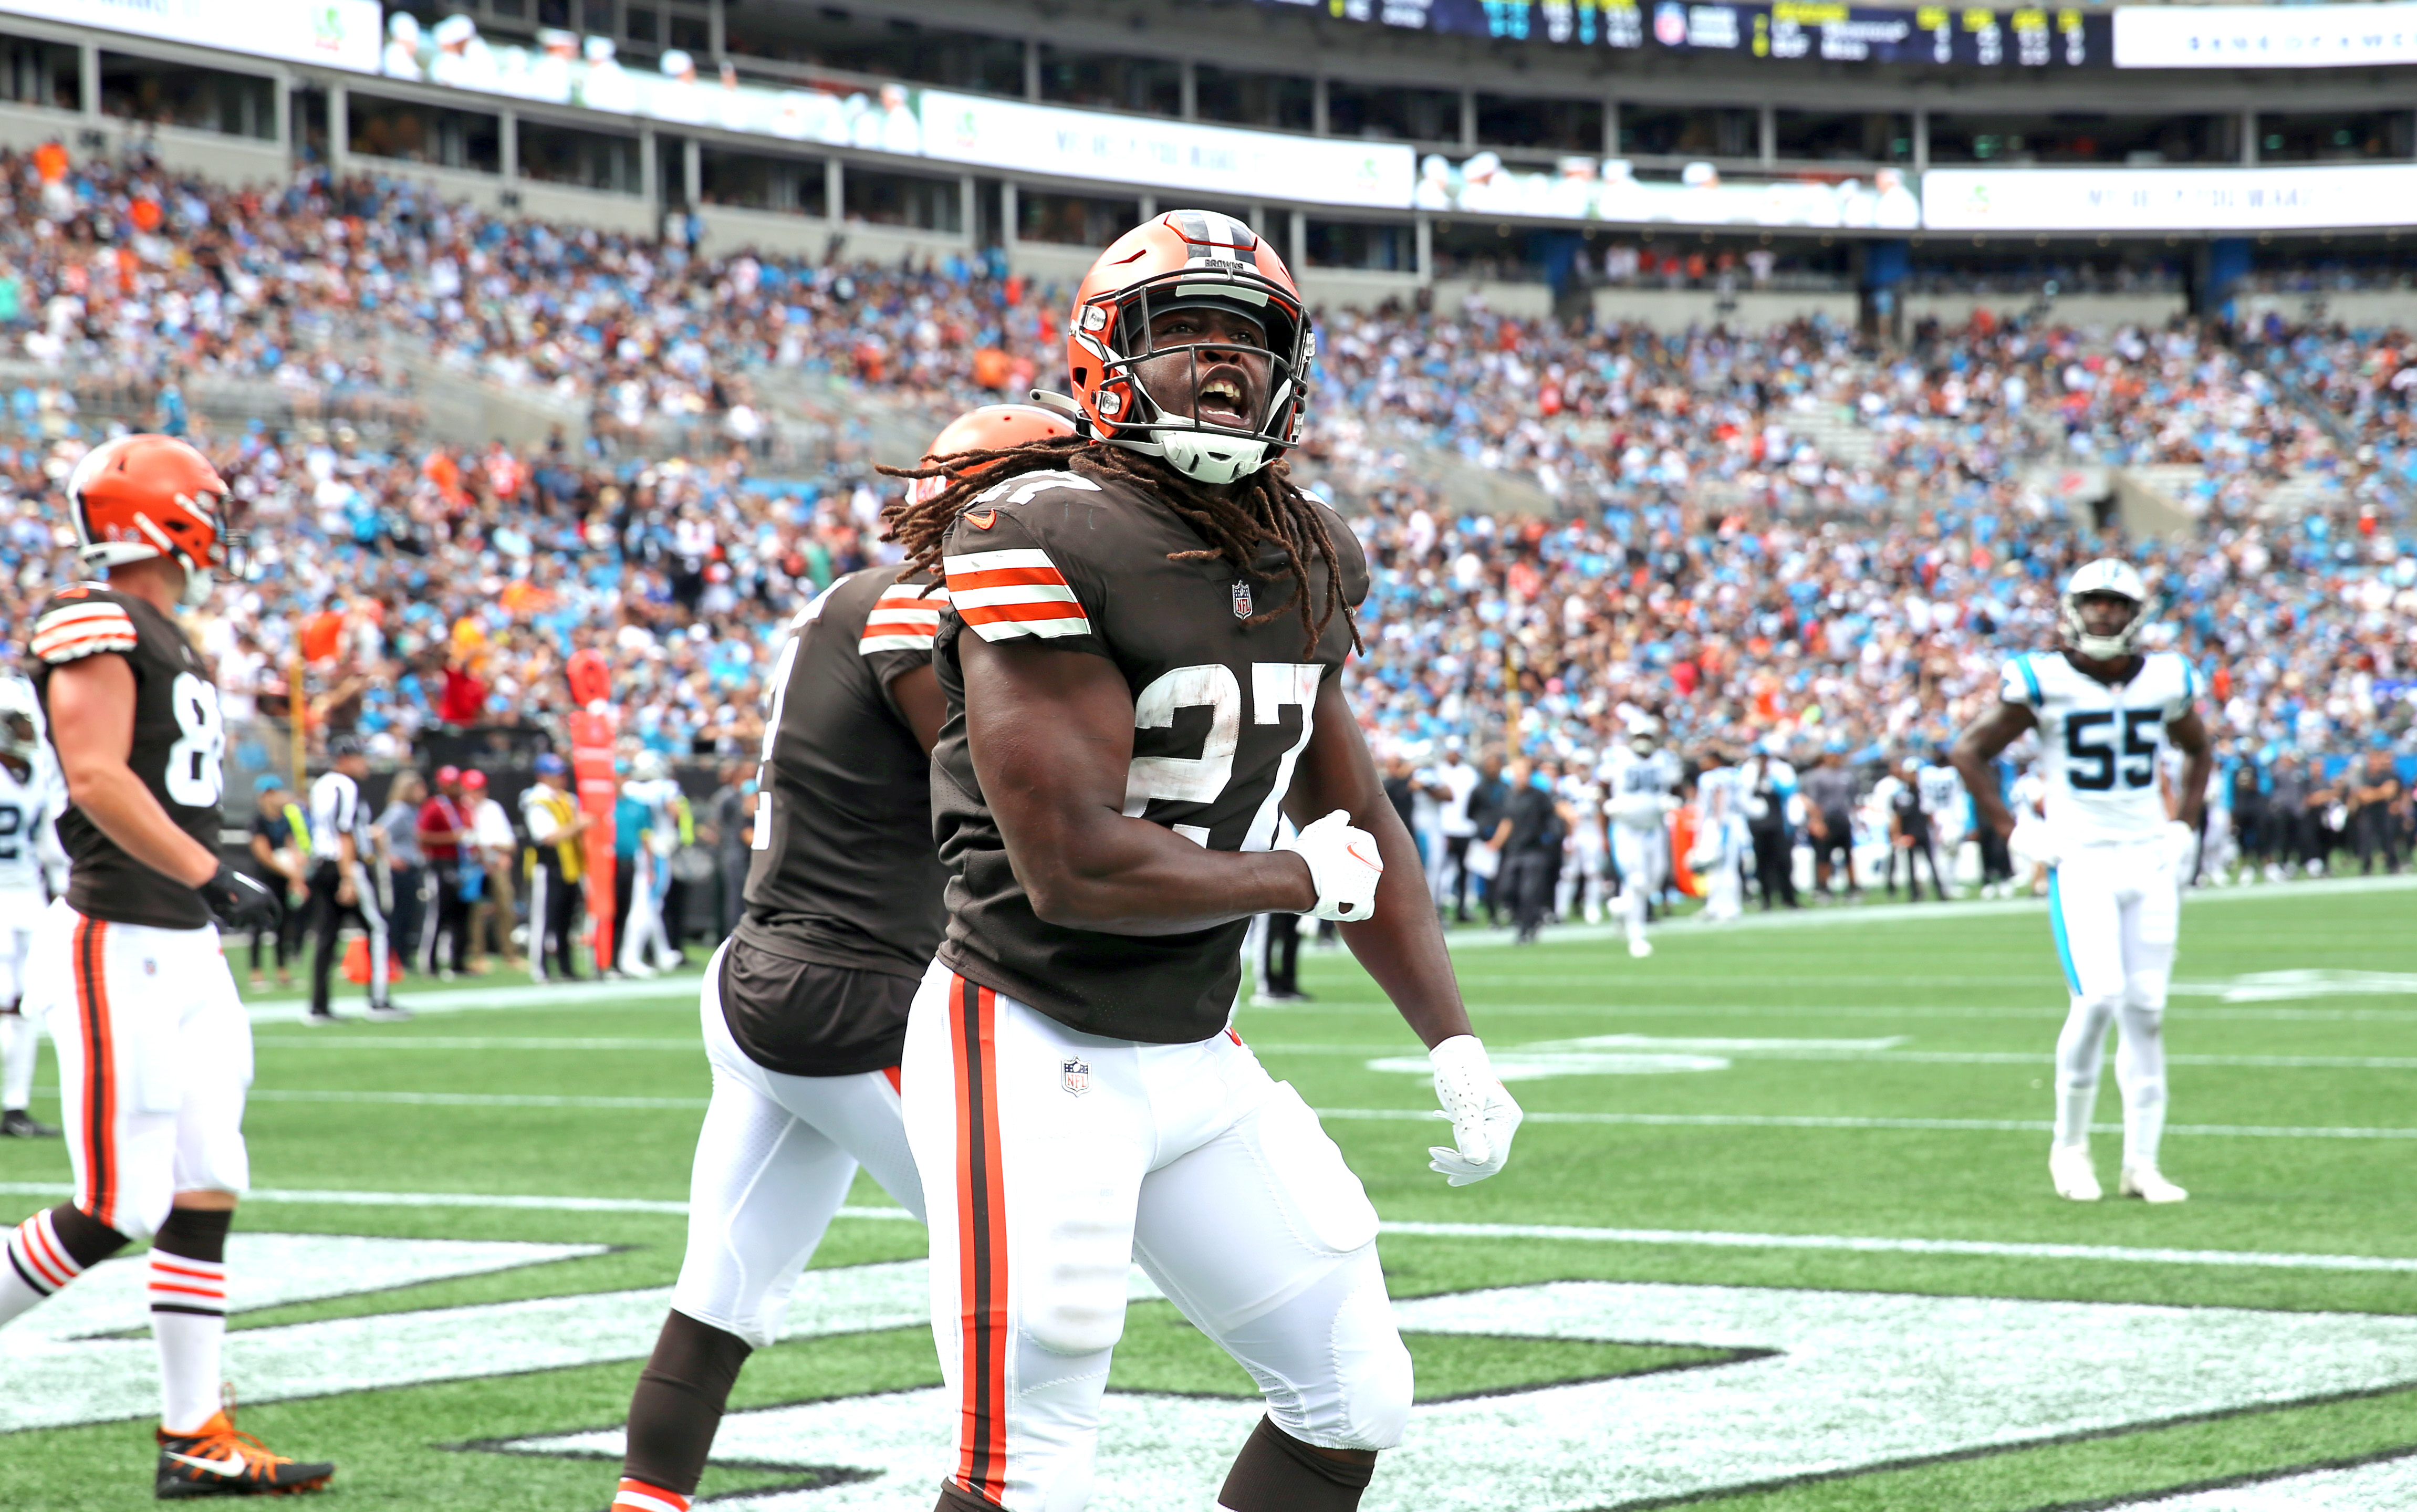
<point>142,496</point>
<point>991,428</point>
<point>1179,259</point>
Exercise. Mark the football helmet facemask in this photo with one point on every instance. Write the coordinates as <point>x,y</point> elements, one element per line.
<point>136,497</point>
<point>2107,576</point>
<point>1186,258</point>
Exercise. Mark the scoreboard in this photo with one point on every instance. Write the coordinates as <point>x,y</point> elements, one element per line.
<point>1969,37</point>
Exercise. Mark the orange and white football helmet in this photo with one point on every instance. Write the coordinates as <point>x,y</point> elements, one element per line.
<point>1188,257</point>
<point>989,427</point>
<point>142,496</point>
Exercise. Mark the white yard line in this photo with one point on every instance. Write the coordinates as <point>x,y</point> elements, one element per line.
<point>1684,1238</point>
<point>1979,1125</point>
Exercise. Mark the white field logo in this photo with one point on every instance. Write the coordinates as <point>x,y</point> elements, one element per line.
<point>1814,1383</point>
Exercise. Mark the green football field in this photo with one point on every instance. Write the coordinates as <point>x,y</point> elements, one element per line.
<point>1777,1235</point>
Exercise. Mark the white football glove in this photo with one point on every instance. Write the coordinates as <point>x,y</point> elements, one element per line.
<point>1483,1115</point>
<point>2030,842</point>
<point>1343,866</point>
<point>2181,847</point>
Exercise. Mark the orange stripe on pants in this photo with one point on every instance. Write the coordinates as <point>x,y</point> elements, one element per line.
<point>981,1244</point>
<point>98,1133</point>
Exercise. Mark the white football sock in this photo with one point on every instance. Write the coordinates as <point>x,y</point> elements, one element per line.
<point>2079,1047</point>
<point>20,1040</point>
<point>36,1266</point>
<point>189,1321</point>
<point>2140,1071</point>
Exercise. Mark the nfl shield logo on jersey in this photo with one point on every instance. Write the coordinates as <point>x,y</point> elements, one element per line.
<point>1241,598</point>
<point>1074,1076</point>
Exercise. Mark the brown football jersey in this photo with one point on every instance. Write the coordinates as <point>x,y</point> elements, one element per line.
<point>179,743</point>
<point>1221,714</point>
<point>844,873</point>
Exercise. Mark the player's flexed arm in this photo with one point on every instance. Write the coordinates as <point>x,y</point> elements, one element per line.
<point>1050,734</point>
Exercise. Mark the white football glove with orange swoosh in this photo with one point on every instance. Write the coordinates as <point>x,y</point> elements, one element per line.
<point>1344,867</point>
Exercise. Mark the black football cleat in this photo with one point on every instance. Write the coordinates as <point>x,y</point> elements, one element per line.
<point>17,1124</point>
<point>216,1460</point>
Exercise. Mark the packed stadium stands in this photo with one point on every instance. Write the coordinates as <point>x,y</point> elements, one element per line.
<point>1788,532</point>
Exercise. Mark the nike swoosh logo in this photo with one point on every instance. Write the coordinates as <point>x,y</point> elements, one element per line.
<point>1364,861</point>
<point>983,520</point>
<point>232,1465</point>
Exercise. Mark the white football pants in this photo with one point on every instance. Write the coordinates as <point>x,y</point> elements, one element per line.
<point>1643,856</point>
<point>773,1162</point>
<point>155,1057</point>
<point>2116,912</point>
<point>1056,1159</point>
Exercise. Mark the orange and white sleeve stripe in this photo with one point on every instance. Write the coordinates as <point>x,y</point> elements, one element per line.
<point>73,630</point>
<point>1003,595</point>
<point>905,617</point>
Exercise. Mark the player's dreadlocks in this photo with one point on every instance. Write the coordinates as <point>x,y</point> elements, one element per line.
<point>1262,508</point>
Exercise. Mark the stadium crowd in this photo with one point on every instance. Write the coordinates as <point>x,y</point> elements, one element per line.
<point>1718,559</point>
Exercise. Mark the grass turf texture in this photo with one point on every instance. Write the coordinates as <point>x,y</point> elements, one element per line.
<point>1971,980</point>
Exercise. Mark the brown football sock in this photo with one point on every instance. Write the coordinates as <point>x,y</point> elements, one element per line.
<point>955,1498</point>
<point>1277,1473</point>
<point>677,1406</point>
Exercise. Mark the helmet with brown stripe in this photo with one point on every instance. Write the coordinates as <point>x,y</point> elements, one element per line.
<point>1215,409</point>
<point>989,427</point>
<point>140,497</point>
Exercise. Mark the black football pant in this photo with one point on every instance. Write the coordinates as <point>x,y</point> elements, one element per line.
<point>1279,956</point>
<point>1456,850</point>
<point>2374,829</point>
<point>286,936</point>
<point>1526,885</point>
<point>1774,871</point>
<point>448,918</point>
<point>625,882</point>
<point>328,917</point>
<point>554,924</point>
<point>1996,858</point>
<point>1920,849</point>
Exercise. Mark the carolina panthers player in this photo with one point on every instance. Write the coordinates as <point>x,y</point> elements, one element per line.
<point>1638,777</point>
<point>1943,800</point>
<point>31,794</point>
<point>2104,712</point>
<point>1585,876</point>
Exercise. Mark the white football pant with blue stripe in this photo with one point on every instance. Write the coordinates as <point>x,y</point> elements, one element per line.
<point>2116,910</point>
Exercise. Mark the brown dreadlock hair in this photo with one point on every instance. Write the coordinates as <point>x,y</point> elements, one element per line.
<point>1263,507</point>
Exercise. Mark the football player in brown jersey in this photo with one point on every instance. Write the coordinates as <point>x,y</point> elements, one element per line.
<point>805,1006</point>
<point>1141,654</point>
<point>154,1049</point>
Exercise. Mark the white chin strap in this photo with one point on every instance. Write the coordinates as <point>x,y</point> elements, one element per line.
<point>1208,459</point>
<point>198,584</point>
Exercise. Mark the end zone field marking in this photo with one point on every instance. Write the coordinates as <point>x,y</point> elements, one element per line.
<point>1713,1239</point>
<point>1975,1126</point>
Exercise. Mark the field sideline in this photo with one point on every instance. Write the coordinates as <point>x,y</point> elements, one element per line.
<point>1778,1235</point>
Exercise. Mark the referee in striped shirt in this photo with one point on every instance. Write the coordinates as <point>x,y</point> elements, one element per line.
<point>340,885</point>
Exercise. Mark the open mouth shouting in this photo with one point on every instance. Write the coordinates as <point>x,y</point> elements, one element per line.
<point>1224,399</point>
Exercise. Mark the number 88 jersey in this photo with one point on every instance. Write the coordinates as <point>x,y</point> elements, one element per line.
<point>178,744</point>
<point>2100,742</point>
<point>1222,690</point>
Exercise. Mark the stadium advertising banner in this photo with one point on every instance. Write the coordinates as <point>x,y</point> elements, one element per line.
<point>1130,149</point>
<point>2185,199</point>
<point>2264,37</point>
<point>1977,37</point>
<point>337,33</point>
<point>1582,189</point>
